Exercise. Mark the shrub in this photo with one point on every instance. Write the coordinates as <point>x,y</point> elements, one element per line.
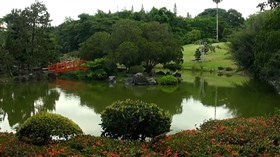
<point>211,40</point>
<point>97,69</point>
<point>229,69</point>
<point>221,68</point>
<point>168,80</point>
<point>161,73</point>
<point>134,119</point>
<point>257,136</point>
<point>40,128</point>
<point>172,66</point>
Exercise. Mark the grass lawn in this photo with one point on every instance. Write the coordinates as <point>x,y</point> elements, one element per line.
<point>225,80</point>
<point>212,60</point>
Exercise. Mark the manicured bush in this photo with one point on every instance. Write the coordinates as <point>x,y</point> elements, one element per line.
<point>134,119</point>
<point>40,128</point>
<point>168,80</point>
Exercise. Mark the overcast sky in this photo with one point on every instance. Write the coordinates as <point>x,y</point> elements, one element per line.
<point>59,9</point>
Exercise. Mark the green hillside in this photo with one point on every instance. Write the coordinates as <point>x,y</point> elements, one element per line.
<point>220,58</point>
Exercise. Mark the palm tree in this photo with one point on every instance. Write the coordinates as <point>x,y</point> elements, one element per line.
<point>217,15</point>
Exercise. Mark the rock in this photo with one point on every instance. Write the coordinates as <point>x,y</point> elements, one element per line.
<point>139,79</point>
<point>151,81</point>
<point>112,79</point>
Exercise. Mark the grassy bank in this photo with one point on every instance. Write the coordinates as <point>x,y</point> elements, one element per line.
<point>220,58</point>
<point>213,79</point>
<point>233,137</point>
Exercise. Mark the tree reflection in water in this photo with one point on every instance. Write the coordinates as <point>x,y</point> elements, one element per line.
<point>198,98</point>
<point>21,101</point>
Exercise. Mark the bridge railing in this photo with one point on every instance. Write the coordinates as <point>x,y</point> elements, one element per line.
<point>67,66</point>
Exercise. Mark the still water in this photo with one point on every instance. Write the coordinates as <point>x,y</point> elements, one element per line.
<point>198,98</point>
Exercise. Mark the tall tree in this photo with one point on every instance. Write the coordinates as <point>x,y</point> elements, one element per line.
<point>28,36</point>
<point>159,46</point>
<point>217,18</point>
<point>127,54</point>
<point>97,46</point>
<point>256,47</point>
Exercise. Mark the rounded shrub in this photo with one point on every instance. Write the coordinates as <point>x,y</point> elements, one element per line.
<point>42,127</point>
<point>168,80</point>
<point>134,119</point>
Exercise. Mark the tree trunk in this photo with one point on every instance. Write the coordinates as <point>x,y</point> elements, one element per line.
<point>217,22</point>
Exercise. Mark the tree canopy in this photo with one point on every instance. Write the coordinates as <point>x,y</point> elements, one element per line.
<point>145,38</point>
<point>28,38</point>
<point>256,47</point>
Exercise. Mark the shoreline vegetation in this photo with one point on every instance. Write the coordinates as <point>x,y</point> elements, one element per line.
<point>258,136</point>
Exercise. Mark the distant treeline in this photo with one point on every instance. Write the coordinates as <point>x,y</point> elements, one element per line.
<point>186,29</point>
<point>27,39</point>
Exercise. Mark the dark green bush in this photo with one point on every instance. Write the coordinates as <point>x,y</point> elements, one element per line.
<point>221,68</point>
<point>40,128</point>
<point>229,69</point>
<point>134,119</point>
<point>172,66</point>
<point>168,80</point>
<point>136,69</point>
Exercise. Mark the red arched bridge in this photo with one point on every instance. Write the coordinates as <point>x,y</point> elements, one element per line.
<point>67,66</point>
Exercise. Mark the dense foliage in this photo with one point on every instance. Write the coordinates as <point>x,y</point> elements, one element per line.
<point>256,47</point>
<point>233,137</point>
<point>134,119</point>
<point>28,40</point>
<point>74,32</point>
<point>42,127</point>
<point>134,43</point>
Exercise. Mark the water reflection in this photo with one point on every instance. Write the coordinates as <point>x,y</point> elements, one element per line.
<point>190,103</point>
<point>195,113</point>
<point>21,101</point>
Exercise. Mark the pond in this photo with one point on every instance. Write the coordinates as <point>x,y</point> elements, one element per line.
<point>198,98</point>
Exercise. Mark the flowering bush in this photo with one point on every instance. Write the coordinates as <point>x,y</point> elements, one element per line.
<point>231,137</point>
<point>134,119</point>
<point>40,128</point>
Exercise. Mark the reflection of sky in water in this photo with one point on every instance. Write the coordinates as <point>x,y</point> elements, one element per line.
<point>193,114</point>
<point>5,126</point>
<point>85,117</point>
